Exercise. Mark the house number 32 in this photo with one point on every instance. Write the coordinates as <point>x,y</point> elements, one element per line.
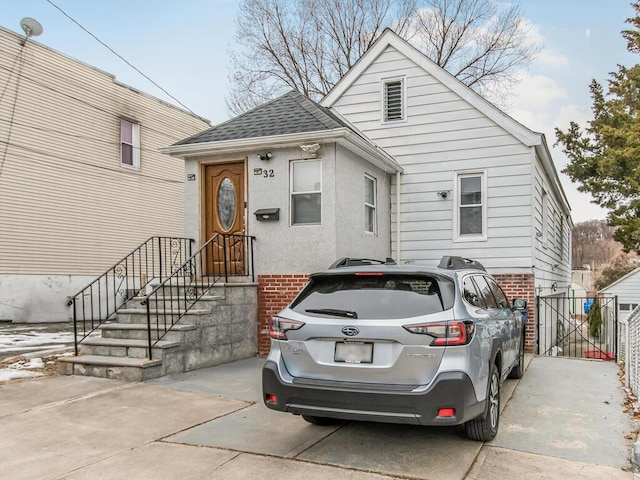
<point>268,173</point>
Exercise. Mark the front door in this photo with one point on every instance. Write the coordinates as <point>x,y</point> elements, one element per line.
<point>224,214</point>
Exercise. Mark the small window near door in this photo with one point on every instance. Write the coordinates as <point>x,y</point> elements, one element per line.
<point>370,204</point>
<point>129,144</point>
<point>306,192</point>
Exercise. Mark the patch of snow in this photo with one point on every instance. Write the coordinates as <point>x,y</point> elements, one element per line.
<point>10,374</point>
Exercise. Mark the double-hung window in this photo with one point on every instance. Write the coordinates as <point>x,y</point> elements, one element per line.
<point>370,204</point>
<point>306,192</point>
<point>129,144</point>
<point>393,100</point>
<point>471,206</point>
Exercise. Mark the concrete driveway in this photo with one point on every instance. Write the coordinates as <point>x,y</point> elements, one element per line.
<point>211,424</point>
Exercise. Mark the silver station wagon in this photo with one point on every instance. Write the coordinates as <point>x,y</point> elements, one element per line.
<point>374,341</point>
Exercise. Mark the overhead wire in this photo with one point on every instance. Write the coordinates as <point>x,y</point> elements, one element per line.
<point>122,58</point>
<point>45,154</point>
<point>20,63</point>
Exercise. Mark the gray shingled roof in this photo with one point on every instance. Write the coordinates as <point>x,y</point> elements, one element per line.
<point>290,113</point>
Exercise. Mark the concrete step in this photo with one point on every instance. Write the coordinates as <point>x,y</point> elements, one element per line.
<point>120,368</point>
<point>139,331</point>
<point>138,315</point>
<point>177,300</point>
<point>124,347</point>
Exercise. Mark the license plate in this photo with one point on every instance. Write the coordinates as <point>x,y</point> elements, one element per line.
<point>354,352</point>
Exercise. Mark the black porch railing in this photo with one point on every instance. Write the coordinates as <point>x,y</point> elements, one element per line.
<point>98,302</point>
<point>221,257</point>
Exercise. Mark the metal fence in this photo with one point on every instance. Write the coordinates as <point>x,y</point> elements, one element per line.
<point>631,339</point>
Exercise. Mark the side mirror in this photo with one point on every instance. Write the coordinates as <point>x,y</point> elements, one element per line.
<point>519,304</point>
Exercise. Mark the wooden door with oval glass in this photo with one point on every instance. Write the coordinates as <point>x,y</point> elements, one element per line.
<point>224,214</point>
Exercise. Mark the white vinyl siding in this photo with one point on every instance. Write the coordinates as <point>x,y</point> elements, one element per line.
<point>66,205</point>
<point>444,134</point>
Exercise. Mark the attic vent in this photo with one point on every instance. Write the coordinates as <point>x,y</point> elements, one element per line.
<point>393,108</point>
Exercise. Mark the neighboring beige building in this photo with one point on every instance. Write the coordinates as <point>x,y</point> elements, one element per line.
<point>81,179</point>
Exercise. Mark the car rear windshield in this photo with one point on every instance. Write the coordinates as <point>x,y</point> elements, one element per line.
<point>375,296</point>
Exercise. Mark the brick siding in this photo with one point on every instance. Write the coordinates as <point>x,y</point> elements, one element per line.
<point>274,293</point>
<point>522,286</point>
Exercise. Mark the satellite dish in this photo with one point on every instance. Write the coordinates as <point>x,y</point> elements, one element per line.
<point>31,27</point>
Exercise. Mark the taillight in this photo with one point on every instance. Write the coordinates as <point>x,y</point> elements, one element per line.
<point>278,327</point>
<point>444,333</point>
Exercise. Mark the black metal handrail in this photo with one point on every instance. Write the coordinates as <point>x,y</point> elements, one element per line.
<point>222,256</point>
<point>100,300</point>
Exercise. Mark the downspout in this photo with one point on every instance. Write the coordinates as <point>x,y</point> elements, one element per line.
<point>398,223</point>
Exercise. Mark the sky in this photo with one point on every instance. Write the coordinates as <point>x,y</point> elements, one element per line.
<point>185,46</point>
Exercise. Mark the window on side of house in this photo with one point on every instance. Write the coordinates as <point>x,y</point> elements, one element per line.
<point>393,100</point>
<point>306,192</point>
<point>545,218</point>
<point>624,307</point>
<point>471,206</point>
<point>129,144</point>
<point>370,221</point>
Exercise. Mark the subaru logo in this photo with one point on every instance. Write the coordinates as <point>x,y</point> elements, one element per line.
<point>350,331</point>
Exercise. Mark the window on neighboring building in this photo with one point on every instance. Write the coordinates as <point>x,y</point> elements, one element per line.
<point>393,100</point>
<point>471,205</point>
<point>370,204</point>
<point>129,144</point>
<point>627,307</point>
<point>306,192</point>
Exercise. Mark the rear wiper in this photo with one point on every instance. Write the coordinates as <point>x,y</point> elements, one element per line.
<point>333,311</point>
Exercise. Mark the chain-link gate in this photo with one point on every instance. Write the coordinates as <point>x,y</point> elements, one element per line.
<point>579,327</point>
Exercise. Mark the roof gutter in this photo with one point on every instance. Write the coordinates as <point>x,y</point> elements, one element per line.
<point>343,136</point>
<point>542,149</point>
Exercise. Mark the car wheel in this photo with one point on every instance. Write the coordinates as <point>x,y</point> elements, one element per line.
<point>318,420</point>
<point>518,369</point>
<point>485,428</point>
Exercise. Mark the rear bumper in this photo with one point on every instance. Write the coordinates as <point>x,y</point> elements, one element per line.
<point>448,390</point>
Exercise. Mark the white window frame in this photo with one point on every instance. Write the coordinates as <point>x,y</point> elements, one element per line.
<point>135,145</point>
<point>482,237</point>
<point>545,218</point>
<point>403,100</point>
<point>292,193</point>
<point>373,206</point>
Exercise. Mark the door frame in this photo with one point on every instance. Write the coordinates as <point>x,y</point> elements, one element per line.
<point>202,194</point>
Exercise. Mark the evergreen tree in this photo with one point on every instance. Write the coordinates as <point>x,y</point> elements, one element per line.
<point>605,157</point>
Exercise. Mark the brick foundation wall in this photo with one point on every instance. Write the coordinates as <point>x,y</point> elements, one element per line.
<point>274,293</point>
<point>522,286</point>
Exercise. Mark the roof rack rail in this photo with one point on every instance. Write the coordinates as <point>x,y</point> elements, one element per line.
<point>359,262</point>
<point>457,263</point>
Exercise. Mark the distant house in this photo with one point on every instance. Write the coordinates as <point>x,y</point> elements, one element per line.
<point>81,179</point>
<point>400,159</point>
<point>627,289</point>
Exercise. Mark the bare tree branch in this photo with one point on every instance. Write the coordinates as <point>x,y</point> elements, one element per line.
<point>308,45</point>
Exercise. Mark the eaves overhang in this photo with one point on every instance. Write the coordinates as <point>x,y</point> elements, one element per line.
<point>342,136</point>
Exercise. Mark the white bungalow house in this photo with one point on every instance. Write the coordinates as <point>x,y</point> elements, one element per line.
<point>405,161</point>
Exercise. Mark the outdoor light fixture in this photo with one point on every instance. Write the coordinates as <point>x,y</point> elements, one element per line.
<point>265,156</point>
<point>444,194</point>
<point>311,149</point>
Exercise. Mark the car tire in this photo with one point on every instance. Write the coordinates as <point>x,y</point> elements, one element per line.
<point>318,420</point>
<point>485,428</point>
<point>518,369</point>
